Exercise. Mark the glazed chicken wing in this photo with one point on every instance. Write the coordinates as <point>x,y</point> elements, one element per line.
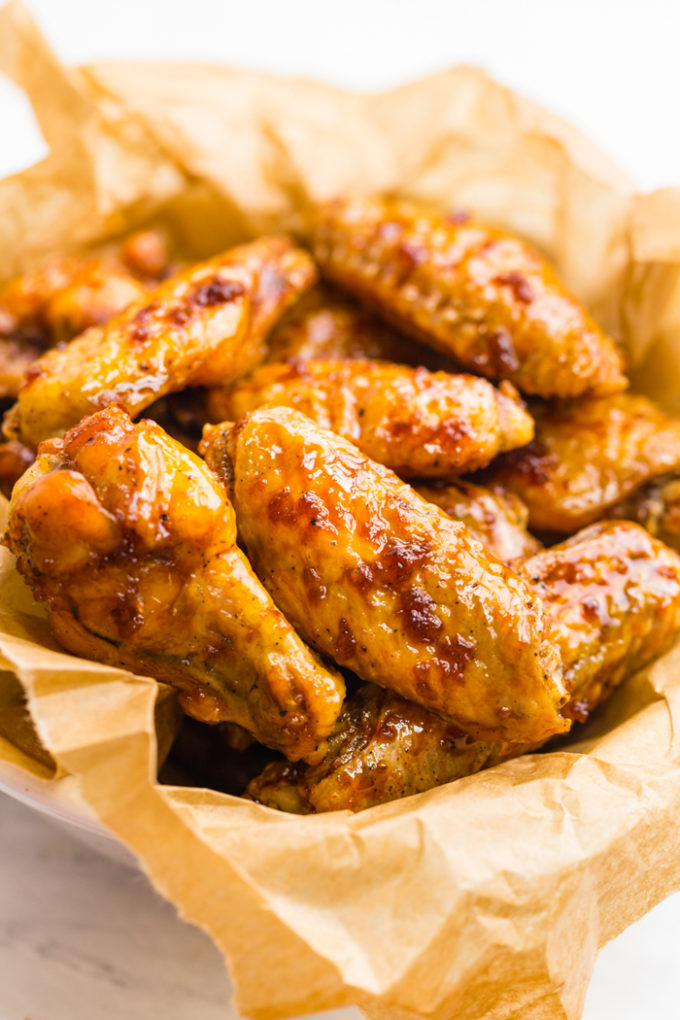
<point>327,324</point>
<point>384,582</point>
<point>656,506</point>
<point>383,748</point>
<point>419,423</point>
<point>587,456</point>
<point>204,326</point>
<point>495,517</point>
<point>613,596</point>
<point>129,540</point>
<point>471,291</point>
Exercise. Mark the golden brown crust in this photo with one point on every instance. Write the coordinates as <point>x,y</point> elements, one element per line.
<point>130,541</point>
<point>386,583</point>
<point>471,291</point>
<point>326,323</point>
<point>383,748</point>
<point>204,326</point>
<point>612,593</point>
<point>656,506</point>
<point>494,516</point>
<point>419,423</point>
<point>588,455</point>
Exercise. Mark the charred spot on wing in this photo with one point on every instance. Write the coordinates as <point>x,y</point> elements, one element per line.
<point>217,291</point>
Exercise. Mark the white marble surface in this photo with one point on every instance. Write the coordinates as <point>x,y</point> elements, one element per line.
<point>80,937</point>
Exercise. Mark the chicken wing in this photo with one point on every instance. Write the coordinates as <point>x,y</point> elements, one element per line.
<point>204,326</point>
<point>495,517</point>
<point>587,456</point>
<point>129,540</point>
<point>14,459</point>
<point>613,595</point>
<point>327,324</point>
<point>384,582</point>
<point>656,506</point>
<point>419,423</point>
<point>383,748</point>
<point>471,291</point>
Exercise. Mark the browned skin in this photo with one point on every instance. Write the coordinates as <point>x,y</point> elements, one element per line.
<point>326,323</point>
<point>14,459</point>
<point>587,456</point>
<point>613,595</point>
<point>17,354</point>
<point>419,423</point>
<point>384,582</point>
<point>205,326</point>
<point>495,517</point>
<point>656,506</point>
<point>130,541</point>
<point>471,291</point>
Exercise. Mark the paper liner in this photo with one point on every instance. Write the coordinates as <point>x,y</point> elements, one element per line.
<point>488,897</point>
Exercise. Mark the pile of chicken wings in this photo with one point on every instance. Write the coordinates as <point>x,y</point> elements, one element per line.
<point>391,514</point>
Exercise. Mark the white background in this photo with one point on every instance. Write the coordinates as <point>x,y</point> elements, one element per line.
<point>81,938</point>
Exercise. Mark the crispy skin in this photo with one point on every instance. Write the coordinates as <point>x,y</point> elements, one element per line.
<point>587,456</point>
<point>471,291</point>
<point>14,459</point>
<point>419,423</point>
<point>495,517</point>
<point>613,595</point>
<point>204,326</point>
<point>325,323</point>
<point>130,541</point>
<point>386,583</point>
<point>656,506</point>
<point>383,748</point>
<point>17,354</point>
<point>95,296</point>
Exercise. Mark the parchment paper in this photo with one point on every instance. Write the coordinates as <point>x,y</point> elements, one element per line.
<point>486,898</point>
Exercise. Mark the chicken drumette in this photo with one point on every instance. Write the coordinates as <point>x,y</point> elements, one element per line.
<point>130,541</point>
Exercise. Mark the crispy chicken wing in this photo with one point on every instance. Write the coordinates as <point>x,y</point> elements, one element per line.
<point>383,748</point>
<point>587,456</point>
<point>613,595</point>
<point>471,291</point>
<point>386,583</point>
<point>656,506</point>
<point>495,517</point>
<point>419,423</point>
<point>204,326</point>
<point>325,323</point>
<point>130,541</point>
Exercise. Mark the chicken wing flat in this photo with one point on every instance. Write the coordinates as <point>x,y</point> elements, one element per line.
<point>656,506</point>
<point>385,583</point>
<point>613,595</point>
<point>129,540</point>
<point>494,516</point>
<point>587,456</point>
<point>327,324</point>
<point>419,423</point>
<point>471,291</point>
<point>383,748</point>
<point>205,326</point>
